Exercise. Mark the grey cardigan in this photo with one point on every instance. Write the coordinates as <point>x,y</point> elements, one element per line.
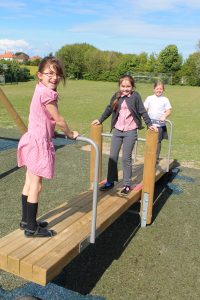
<point>134,104</point>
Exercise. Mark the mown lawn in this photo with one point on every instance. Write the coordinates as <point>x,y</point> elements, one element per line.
<point>83,101</point>
<point>126,262</point>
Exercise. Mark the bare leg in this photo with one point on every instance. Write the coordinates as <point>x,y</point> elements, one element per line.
<point>32,187</point>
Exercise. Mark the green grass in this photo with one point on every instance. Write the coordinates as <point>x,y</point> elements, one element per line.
<point>33,69</point>
<point>125,263</point>
<point>83,101</point>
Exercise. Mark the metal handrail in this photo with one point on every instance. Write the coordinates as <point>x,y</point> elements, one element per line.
<point>169,145</point>
<point>95,184</point>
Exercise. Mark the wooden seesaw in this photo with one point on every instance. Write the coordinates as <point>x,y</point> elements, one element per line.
<point>77,223</point>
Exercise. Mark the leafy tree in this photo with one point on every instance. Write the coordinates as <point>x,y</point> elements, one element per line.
<point>14,72</point>
<point>191,69</point>
<point>95,64</point>
<point>152,64</point>
<point>169,60</point>
<point>72,57</point>
<point>83,61</point>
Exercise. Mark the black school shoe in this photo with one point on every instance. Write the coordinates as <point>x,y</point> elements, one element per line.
<point>23,225</point>
<point>126,189</point>
<point>107,186</point>
<point>39,232</point>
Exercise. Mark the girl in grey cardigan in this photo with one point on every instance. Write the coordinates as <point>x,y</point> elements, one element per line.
<point>126,108</point>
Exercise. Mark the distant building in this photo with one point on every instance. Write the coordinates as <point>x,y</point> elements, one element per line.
<point>22,57</point>
<point>35,58</point>
<point>8,56</point>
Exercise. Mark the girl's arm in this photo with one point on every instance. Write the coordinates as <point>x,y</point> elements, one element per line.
<point>107,112</point>
<point>166,114</point>
<point>95,122</point>
<point>60,121</point>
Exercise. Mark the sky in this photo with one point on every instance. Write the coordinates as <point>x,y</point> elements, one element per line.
<point>41,27</point>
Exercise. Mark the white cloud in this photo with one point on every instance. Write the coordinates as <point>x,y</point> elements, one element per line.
<point>12,5</point>
<point>134,28</point>
<point>164,5</point>
<point>14,45</point>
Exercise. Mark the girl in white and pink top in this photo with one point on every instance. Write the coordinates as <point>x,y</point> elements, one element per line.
<point>35,149</point>
<point>126,108</point>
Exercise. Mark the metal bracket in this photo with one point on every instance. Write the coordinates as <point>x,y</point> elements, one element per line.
<point>84,243</point>
<point>87,241</point>
<point>145,203</point>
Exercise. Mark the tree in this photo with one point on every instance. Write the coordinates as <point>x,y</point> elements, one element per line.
<point>73,58</point>
<point>83,61</point>
<point>169,60</point>
<point>191,69</point>
<point>14,72</point>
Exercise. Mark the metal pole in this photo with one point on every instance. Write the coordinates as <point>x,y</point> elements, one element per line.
<point>169,145</point>
<point>95,186</point>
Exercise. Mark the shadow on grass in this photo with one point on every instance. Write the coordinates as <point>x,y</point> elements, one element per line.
<point>7,143</point>
<point>163,190</point>
<point>4,174</point>
<point>82,274</point>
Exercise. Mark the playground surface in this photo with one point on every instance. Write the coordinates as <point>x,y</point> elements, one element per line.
<point>126,262</point>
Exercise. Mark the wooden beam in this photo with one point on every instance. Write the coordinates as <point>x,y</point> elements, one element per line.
<point>149,171</point>
<point>12,112</point>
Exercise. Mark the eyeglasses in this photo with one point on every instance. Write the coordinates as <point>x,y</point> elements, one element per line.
<point>51,75</point>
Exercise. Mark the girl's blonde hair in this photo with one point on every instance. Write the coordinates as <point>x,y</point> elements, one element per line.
<point>159,82</point>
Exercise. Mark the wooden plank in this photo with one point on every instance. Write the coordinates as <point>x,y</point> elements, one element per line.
<point>12,255</point>
<point>15,237</point>
<point>62,221</point>
<point>18,244</point>
<point>12,245</point>
<point>50,266</point>
<point>40,260</point>
<point>28,262</point>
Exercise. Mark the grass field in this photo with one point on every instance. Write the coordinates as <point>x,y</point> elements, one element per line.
<point>83,101</point>
<point>33,69</point>
<point>126,263</point>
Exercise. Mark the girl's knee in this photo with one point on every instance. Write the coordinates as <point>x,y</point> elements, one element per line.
<point>39,187</point>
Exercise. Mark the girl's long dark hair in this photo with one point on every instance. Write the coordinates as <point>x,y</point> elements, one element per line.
<point>118,94</point>
<point>51,61</point>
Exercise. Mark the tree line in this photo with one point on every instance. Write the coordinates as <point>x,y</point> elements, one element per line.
<point>84,61</point>
<point>13,71</point>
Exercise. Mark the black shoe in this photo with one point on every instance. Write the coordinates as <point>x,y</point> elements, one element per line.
<point>126,189</point>
<point>39,232</point>
<point>23,225</point>
<point>107,186</point>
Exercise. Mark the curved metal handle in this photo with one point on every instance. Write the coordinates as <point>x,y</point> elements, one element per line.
<point>95,184</point>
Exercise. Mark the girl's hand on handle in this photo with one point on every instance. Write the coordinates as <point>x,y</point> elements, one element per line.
<point>95,122</point>
<point>163,118</point>
<point>153,128</point>
<point>73,135</point>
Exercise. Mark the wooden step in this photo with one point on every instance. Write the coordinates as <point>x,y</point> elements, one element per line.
<point>41,259</point>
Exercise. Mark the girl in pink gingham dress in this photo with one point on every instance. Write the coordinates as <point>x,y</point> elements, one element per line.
<point>35,149</point>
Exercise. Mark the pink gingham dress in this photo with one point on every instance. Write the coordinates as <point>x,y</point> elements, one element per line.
<point>35,149</point>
